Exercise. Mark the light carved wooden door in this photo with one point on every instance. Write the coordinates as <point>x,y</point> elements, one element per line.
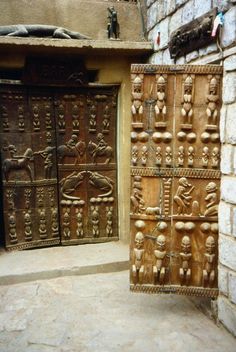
<point>58,151</point>
<point>175,178</point>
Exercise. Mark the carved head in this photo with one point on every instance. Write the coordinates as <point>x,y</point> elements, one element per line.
<point>205,151</point>
<point>139,240</point>
<point>137,84</point>
<point>186,244</point>
<point>215,151</point>
<point>210,244</point>
<point>100,136</point>
<point>188,83</point>
<point>211,187</point>
<point>213,85</point>
<point>161,82</point>
<point>161,242</point>
<point>183,182</point>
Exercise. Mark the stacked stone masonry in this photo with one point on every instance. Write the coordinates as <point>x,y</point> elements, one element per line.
<point>165,17</point>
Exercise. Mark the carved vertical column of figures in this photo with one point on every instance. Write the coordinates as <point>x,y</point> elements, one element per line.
<point>87,165</point>
<point>175,176</point>
<point>28,167</point>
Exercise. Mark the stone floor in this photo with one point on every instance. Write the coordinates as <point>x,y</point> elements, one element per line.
<point>97,313</point>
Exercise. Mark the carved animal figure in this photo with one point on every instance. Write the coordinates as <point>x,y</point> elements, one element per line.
<point>40,30</point>
<point>102,182</point>
<point>19,163</point>
<point>70,183</point>
<point>77,151</point>
<point>153,211</point>
<point>95,151</point>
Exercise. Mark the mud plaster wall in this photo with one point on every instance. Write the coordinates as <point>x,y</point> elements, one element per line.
<point>86,16</point>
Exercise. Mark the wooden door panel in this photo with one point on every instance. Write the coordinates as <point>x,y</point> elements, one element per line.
<point>87,164</point>
<point>28,168</point>
<point>175,178</point>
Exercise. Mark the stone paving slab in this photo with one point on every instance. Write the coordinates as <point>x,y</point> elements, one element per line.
<point>97,313</point>
<point>46,263</point>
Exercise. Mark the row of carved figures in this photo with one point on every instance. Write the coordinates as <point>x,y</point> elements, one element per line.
<point>160,254</point>
<point>46,230</point>
<point>94,220</point>
<point>187,100</point>
<point>183,199</point>
<point>140,156</point>
<point>47,116</point>
<point>74,149</point>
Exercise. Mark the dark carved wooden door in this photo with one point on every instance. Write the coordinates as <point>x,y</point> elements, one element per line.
<point>86,138</point>
<point>29,170</point>
<point>175,160</point>
<point>58,151</point>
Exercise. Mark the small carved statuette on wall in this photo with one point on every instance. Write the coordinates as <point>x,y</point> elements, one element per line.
<point>113,25</point>
<point>182,197</point>
<point>137,197</point>
<point>211,200</point>
<point>212,101</point>
<point>187,101</point>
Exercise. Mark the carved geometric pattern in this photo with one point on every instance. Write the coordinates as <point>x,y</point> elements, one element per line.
<point>179,290</point>
<point>193,173</point>
<point>198,69</point>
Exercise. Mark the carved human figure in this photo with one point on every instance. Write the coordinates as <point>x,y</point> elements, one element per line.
<point>47,155</point>
<point>106,119</point>
<point>42,224</point>
<point>158,156</point>
<point>134,154</point>
<point>181,156</point>
<point>144,156</point>
<point>191,154</point>
<point>66,223</point>
<point>182,196</point>
<point>185,255</point>
<point>55,228</point>
<point>71,143</point>
<point>36,118</point>
<point>209,268</point>
<point>109,214</point>
<point>48,121</point>
<point>92,118</point>
<point>102,144</point>
<point>95,220</point>
<point>137,197</point>
<point>75,117</point>
<point>80,227</point>
<point>159,269</point>
<point>160,107</point>
<point>212,100</point>
<point>12,228</point>
<point>168,156</point>
<point>205,156</point>
<point>215,157</point>
<point>21,122</point>
<point>137,96</point>
<point>187,111</point>
<point>138,253</point>
<point>211,200</point>
<point>28,226</point>
<point>61,117</point>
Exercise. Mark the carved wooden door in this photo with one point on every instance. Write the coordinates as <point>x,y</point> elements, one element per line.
<point>58,149</point>
<point>175,178</point>
<point>86,137</point>
<point>29,171</point>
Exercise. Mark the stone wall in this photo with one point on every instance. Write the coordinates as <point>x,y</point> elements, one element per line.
<point>165,17</point>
